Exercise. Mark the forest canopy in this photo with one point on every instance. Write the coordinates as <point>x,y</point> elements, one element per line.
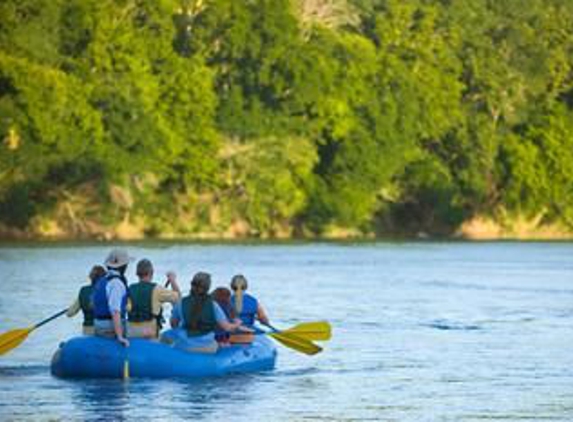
<point>281,118</point>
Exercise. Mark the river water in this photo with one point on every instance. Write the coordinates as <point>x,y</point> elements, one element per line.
<point>421,332</point>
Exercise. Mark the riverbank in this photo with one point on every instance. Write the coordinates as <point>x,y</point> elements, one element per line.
<point>479,229</point>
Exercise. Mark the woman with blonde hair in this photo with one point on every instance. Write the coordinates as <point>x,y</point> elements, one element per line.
<point>247,308</point>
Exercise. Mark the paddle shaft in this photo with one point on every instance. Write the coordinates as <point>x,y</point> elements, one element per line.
<point>59,314</point>
<point>270,326</point>
<point>14,338</point>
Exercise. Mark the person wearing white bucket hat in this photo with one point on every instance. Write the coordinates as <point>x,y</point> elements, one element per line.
<point>118,258</point>
<point>110,298</point>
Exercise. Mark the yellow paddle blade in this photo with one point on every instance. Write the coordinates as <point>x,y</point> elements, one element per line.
<point>126,370</point>
<point>314,331</point>
<point>296,343</point>
<point>12,339</point>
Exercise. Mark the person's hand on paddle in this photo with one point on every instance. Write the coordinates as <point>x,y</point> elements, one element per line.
<point>234,325</point>
<point>172,280</point>
<point>238,324</point>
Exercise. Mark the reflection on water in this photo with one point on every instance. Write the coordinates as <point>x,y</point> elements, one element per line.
<point>422,331</point>
<point>443,324</point>
<point>104,400</point>
<point>17,371</point>
<point>101,400</point>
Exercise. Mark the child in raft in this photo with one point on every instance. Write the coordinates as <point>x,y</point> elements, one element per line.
<point>222,296</point>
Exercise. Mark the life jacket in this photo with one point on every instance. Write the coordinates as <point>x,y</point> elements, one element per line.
<point>141,295</point>
<point>101,305</point>
<point>249,311</point>
<point>86,305</point>
<point>200,324</point>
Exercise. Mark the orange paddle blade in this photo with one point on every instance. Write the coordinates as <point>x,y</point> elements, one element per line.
<point>12,339</point>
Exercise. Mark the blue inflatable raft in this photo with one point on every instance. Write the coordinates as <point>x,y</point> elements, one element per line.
<point>96,357</point>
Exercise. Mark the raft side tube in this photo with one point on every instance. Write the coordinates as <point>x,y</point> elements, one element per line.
<point>97,357</point>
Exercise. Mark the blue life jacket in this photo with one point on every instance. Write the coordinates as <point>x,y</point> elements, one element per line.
<point>101,305</point>
<point>249,311</point>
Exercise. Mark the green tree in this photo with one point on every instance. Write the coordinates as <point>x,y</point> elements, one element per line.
<point>267,181</point>
<point>538,179</point>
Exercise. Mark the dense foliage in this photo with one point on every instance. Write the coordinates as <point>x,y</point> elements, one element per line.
<point>283,117</point>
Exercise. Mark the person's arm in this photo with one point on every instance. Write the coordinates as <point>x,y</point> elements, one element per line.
<point>175,319</point>
<point>164,295</point>
<point>74,308</point>
<point>172,281</point>
<point>118,328</point>
<point>223,322</point>
<point>262,315</point>
<point>115,293</point>
<point>228,326</point>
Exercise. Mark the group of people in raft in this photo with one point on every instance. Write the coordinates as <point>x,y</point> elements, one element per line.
<point>200,321</point>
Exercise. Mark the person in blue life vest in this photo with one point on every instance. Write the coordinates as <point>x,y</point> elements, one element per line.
<point>196,317</point>
<point>146,298</point>
<point>110,298</point>
<point>245,307</point>
<point>84,301</point>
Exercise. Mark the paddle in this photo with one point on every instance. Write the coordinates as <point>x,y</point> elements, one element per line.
<point>313,331</point>
<point>126,367</point>
<point>13,338</point>
<point>299,344</point>
<point>294,342</point>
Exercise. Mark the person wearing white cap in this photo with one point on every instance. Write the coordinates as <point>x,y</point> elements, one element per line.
<point>110,298</point>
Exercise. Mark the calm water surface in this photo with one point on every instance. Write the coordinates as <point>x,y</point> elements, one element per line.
<point>422,332</point>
